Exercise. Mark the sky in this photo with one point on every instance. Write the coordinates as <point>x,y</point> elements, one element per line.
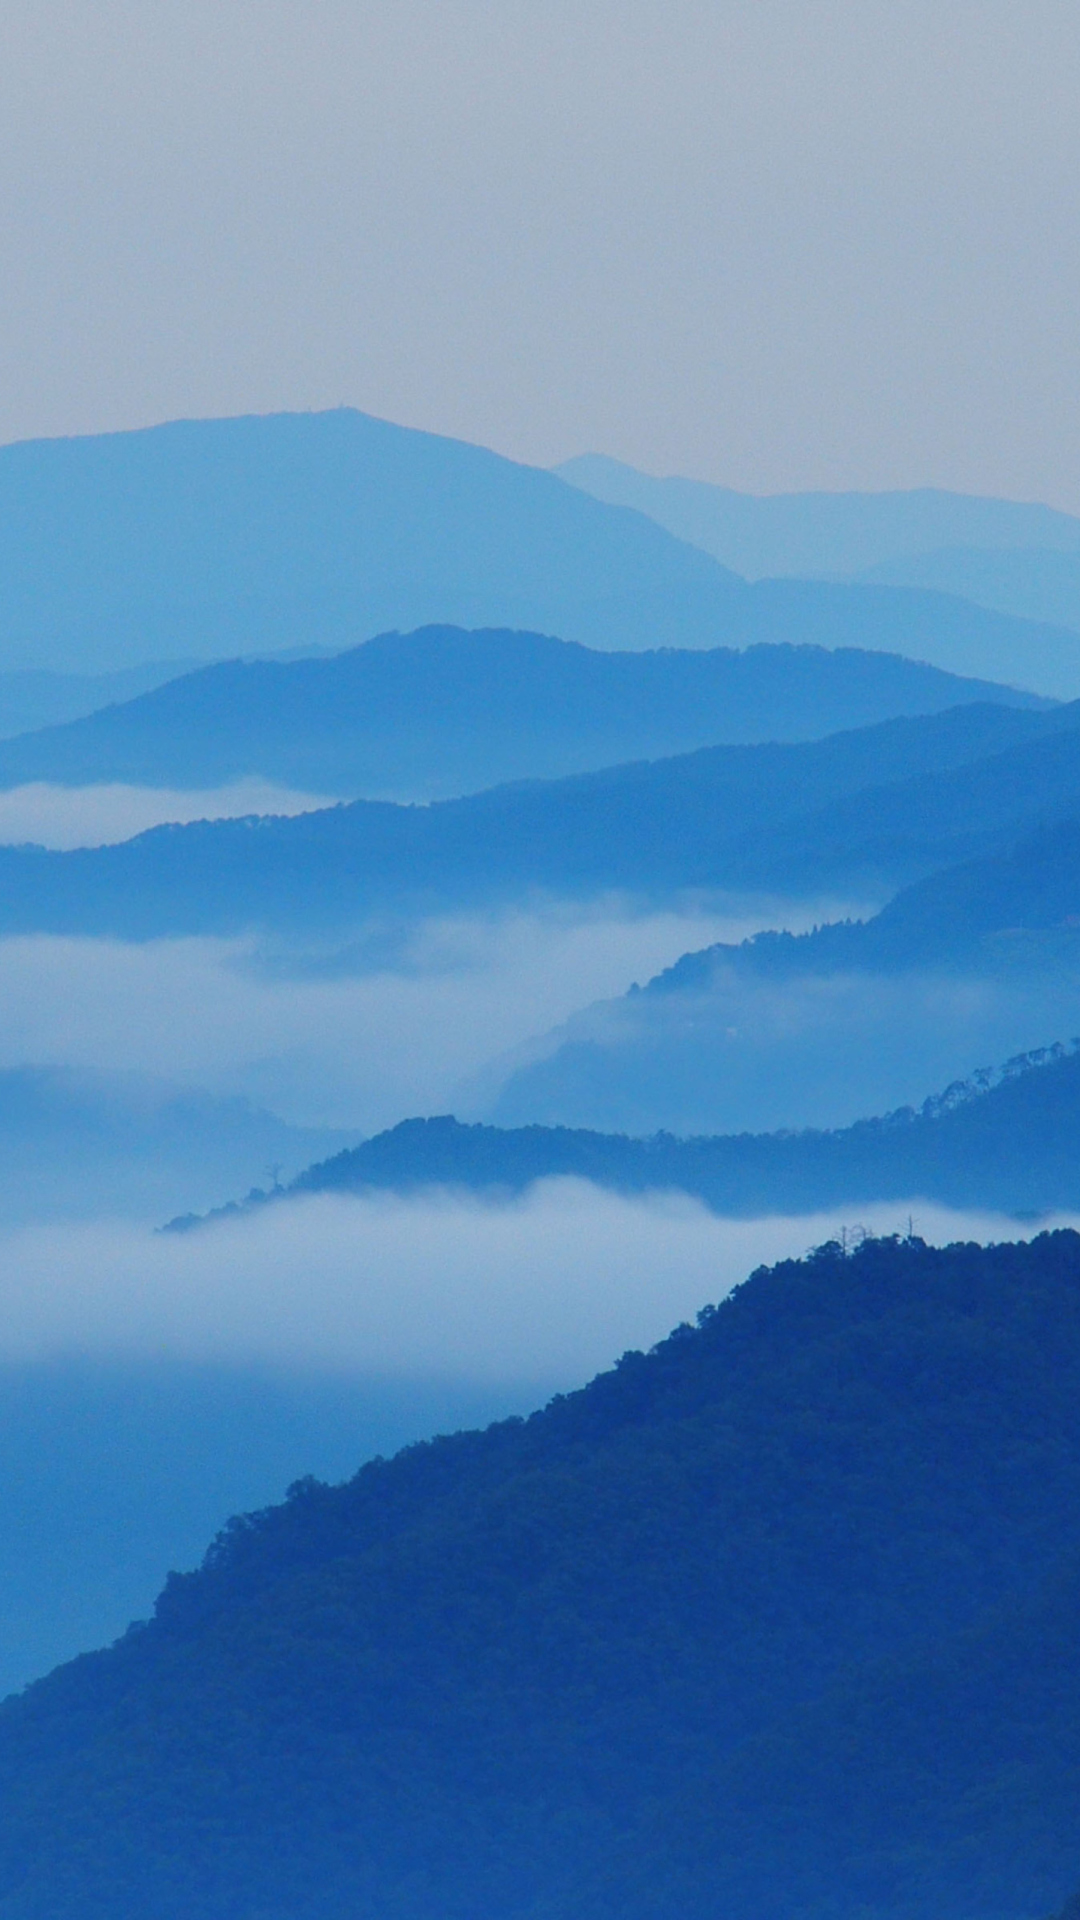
<point>777,244</point>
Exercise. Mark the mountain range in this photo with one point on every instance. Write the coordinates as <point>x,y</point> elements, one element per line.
<point>967,964</point>
<point>1012,557</point>
<point>1006,1141</point>
<point>443,712</point>
<point>217,538</point>
<point>864,811</point>
<point>776,1621</point>
<point>814,534</point>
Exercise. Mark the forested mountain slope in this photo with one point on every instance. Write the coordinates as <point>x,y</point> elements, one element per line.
<point>751,817</point>
<point>443,711</point>
<point>959,914</point>
<point>776,1621</point>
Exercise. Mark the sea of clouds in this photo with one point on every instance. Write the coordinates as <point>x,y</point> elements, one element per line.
<point>399,1022</point>
<point>549,1287</point>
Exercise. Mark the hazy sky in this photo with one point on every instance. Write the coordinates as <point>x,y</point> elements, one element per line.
<point>776,243</point>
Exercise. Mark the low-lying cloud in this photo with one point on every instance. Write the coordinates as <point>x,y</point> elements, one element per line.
<point>759,1054</point>
<point>392,1026</point>
<point>64,817</point>
<point>550,1287</point>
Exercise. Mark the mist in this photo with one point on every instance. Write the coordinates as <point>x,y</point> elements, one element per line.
<point>153,1384</point>
<point>398,1022</point>
<point>549,1287</point>
<point>48,815</point>
<point>758,1054</point>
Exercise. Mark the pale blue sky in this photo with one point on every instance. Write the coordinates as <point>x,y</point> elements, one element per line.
<point>775,243</point>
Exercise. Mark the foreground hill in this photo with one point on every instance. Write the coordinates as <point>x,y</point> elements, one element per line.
<point>801,818</point>
<point>221,537</point>
<point>443,711</point>
<point>776,1621</point>
<point>1007,1141</point>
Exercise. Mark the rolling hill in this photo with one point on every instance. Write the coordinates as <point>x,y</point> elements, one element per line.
<point>213,538</point>
<point>1008,1142</point>
<point>775,1621</point>
<point>750,818</point>
<point>442,712</point>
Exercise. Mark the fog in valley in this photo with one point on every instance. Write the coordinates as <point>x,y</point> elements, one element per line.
<point>155,1383</point>
<point>48,815</point>
<point>400,1022</point>
<point>760,1054</point>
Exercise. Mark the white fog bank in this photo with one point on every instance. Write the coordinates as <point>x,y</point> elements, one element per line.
<point>393,1025</point>
<point>552,1287</point>
<point>101,816</point>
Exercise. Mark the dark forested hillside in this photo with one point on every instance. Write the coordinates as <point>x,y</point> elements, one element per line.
<point>777,1621</point>
<point>444,711</point>
<point>743,817</point>
<point>1033,888</point>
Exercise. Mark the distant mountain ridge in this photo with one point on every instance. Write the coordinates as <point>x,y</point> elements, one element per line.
<point>82,1144</point>
<point>218,538</point>
<point>1008,1142</point>
<point>443,712</point>
<point>36,697</point>
<point>810,1029</point>
<point>1011,557</point>
<point>806,818</point>
<point>1034,583</point>
<point>815,533</point>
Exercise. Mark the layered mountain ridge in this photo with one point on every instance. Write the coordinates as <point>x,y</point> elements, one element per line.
<point>212,538</point>
<point>859,812</point>
<point>443,712</point>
